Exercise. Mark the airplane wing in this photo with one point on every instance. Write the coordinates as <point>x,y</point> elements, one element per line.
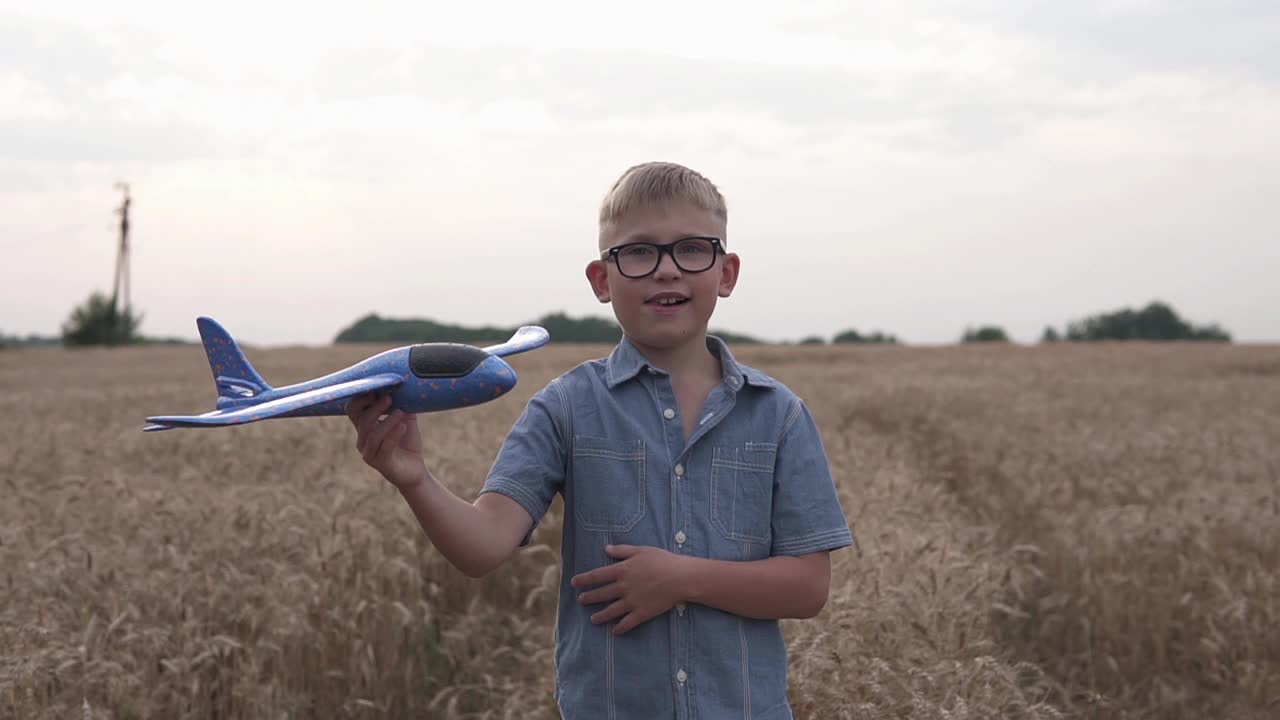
<point>526,338</point>
<point>273,408</point>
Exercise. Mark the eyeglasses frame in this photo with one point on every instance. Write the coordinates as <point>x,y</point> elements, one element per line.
<point>717,248</point>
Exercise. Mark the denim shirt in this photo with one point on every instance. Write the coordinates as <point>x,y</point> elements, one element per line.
<point>752,482</point>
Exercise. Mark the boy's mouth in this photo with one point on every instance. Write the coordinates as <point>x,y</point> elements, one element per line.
<point>666,299</point>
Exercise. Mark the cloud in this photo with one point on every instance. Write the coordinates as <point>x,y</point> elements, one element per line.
<point>1234,37</point>
<point>919,108</point>
<point>1096,40</point>
<point>70,96</point>
<point>915,143</point>
<point>939,77</point>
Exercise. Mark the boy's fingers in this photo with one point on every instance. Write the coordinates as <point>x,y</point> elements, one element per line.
<point>355,406</point>
<point>609,592</point>
<point>364,424</point>
<point>367,442</point>
<point>381,428</point>
<point>598,576</point>
<point>356,410</point>
<point>360,404</point>
<point>368,450</point>
<point>375,408</point>
<point>378,434</point>
<point>369,417</point>
<point>388,444</point>
<point>630,621</point>
<point>611,613</point>
<point>620,551</point>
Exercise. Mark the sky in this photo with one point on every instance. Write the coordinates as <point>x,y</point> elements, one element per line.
<point>911,167</point>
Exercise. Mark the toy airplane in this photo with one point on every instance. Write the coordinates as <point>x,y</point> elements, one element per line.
<point>421,378</point>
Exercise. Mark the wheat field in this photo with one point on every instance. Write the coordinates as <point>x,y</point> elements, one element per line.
<point>1063,531</point>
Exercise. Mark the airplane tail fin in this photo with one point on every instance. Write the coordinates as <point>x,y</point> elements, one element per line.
<point>234,376</point>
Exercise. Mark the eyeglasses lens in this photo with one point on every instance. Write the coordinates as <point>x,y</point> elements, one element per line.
<point>691,255</point>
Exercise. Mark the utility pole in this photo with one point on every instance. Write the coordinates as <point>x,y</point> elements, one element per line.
<point>121,280</point>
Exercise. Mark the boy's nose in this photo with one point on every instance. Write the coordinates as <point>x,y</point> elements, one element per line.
<point>667,267</point>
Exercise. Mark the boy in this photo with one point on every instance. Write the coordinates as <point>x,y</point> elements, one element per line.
<point>699,506</point>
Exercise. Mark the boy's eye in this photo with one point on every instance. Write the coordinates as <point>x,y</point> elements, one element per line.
<point>637,251</point>
<point>694,247</point>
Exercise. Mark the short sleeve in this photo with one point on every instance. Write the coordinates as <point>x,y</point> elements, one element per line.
<point>807,516</point>
<point>530,466</point>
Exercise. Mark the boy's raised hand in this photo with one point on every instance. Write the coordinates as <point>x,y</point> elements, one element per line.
<point>648,582</point>
<point>391,445</point>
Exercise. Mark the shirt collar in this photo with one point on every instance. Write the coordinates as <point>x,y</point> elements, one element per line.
<point>625,362</point>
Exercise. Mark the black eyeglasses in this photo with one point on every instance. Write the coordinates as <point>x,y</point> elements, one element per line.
<point>638,259</point>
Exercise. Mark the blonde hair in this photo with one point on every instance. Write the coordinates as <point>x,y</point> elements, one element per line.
<point>658,182</point>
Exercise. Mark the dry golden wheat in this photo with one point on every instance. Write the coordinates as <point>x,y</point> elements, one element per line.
<point>1061,531</point>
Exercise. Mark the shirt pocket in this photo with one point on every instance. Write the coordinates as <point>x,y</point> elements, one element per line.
<point>608,483</point>
<point>742,491</point>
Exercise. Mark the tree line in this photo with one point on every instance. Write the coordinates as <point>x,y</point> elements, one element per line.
<point>1156,322</point>
<point>98,322</point>
<point>562,328</point>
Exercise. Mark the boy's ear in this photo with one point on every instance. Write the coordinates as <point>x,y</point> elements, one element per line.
<point>598,276</point>
<point>729,268</point>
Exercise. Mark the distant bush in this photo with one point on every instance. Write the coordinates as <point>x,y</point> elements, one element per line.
<point>581,330</point>
<point>853,336</point>
<point>373,328</point>
<point>813,340</point>
<point>98,322</point>
<point>986,333</point>
<point>1157,321</point>
<point>736,338</point>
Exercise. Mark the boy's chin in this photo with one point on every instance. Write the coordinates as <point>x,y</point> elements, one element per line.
<point>664,338</point>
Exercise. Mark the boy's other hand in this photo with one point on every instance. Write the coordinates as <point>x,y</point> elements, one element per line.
<point>648,582</point>
<point>390,445</point>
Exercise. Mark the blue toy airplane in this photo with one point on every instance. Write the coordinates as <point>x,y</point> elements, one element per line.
<point>420,378</point>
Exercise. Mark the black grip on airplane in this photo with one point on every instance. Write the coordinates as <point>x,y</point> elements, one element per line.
<point>444,360</point>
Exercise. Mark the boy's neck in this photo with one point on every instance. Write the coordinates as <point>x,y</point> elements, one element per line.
<point>687,360</point>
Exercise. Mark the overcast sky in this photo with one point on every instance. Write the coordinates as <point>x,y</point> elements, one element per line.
<point>914,167</point>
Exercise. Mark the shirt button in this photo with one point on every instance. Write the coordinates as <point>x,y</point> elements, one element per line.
<point>668,413</point>
<point>680,608</point>
<point>681,537</point>
<point>681,676</point>
<point>679,471</point>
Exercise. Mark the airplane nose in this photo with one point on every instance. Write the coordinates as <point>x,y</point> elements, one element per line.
<point>501,375</point>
